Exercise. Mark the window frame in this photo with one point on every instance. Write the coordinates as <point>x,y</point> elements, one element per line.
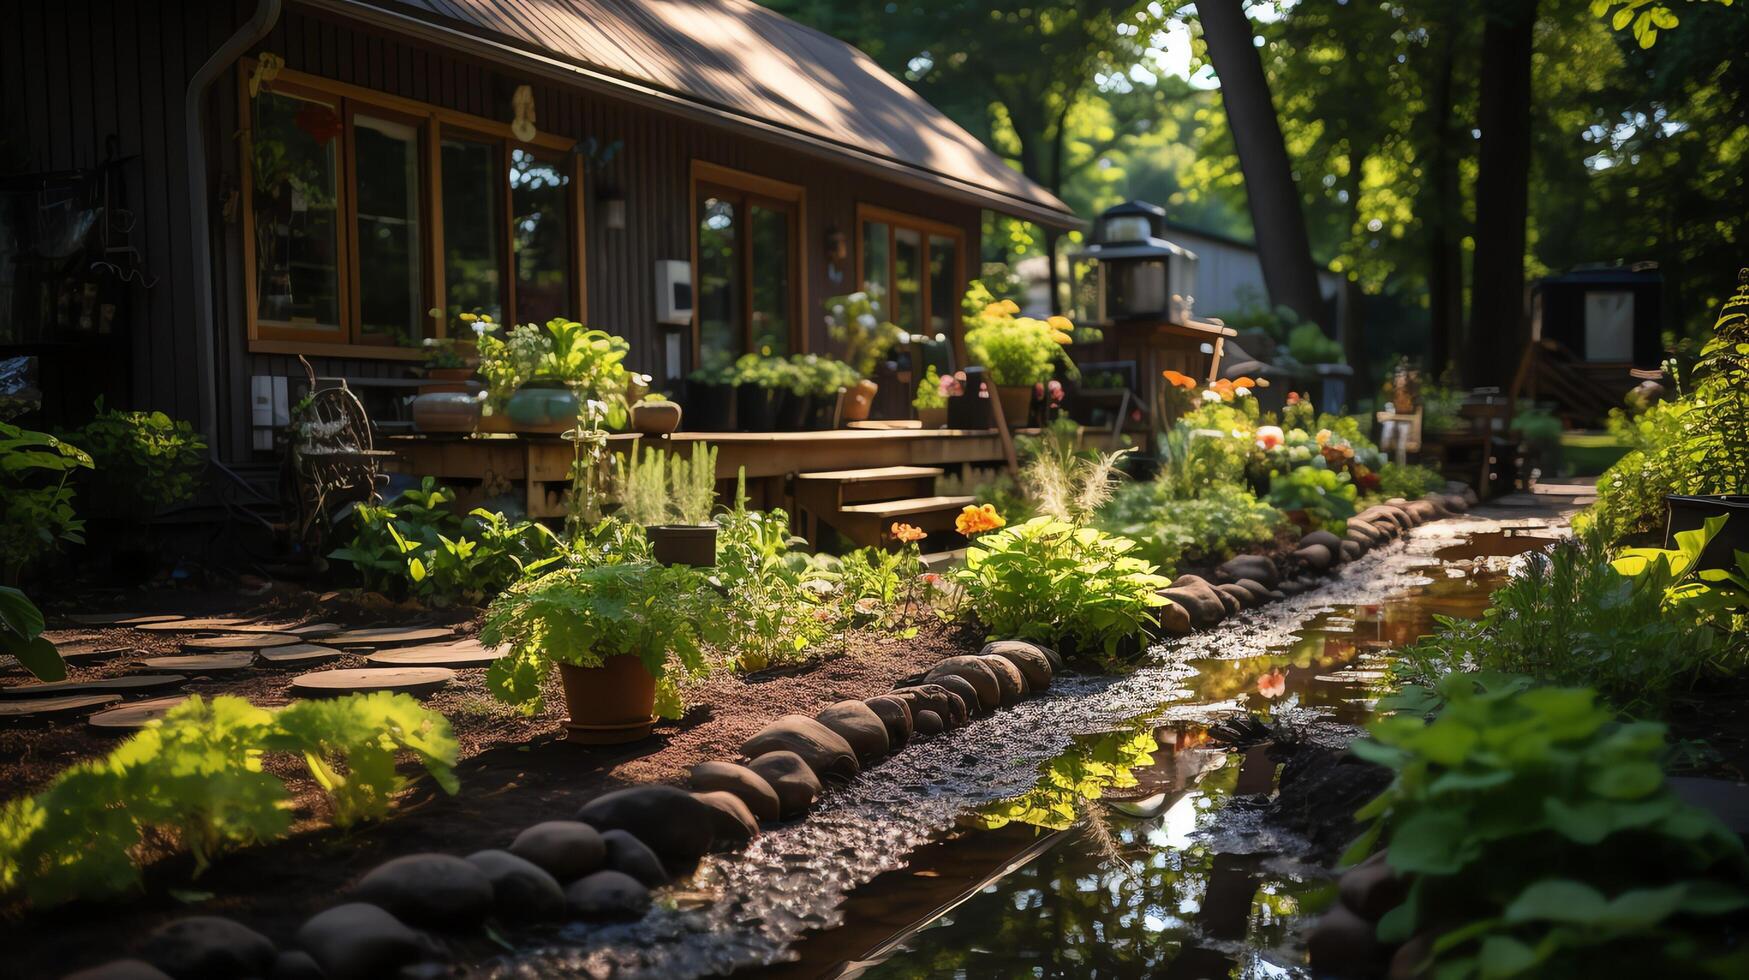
<point>433,122</point>
<point>752,189</point>
<point>927,230</point>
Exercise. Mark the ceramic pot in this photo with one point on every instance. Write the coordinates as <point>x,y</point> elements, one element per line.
<point>1689,513</point>
<point>932,418</point>
<point>858,399</point>
<point>711,406</point>
<point>655,418</point>
<point>609,704</point>
<point>446,411</point>
<point>1016,404</point>
<point>684,544</point>
<point>541,409</point>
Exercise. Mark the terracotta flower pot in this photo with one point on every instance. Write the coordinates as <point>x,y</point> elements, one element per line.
<point>1016,404</point>
<point>446,411</point>
<point>684,544</point>
<point>932,418</point>
<point>609,704</point>
<point>656,418</point>
<point>858,399</point>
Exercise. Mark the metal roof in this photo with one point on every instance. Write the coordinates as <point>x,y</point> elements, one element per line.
<point>746,66</point>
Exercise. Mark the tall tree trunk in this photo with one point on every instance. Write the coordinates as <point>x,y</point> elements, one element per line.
<point>1497,332</point>
<point>1283,247</point>
<point>1444,212</point>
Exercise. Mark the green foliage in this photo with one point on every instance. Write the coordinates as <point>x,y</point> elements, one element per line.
<point>583,614</point>
<point>770,612</point>
<point>143,461</point>
<point>197,778</point>
<point>667,488</point>
<point>1648,17</point>
<point>821,377</point>
<point>1049,580</point>
<point>1411,481</point>
<point>856,321</point>
<point>1063,480</point>
<point>589,362</point>
<point>929,393</point>
<point>1170,531</point>
<point>1083,774</point>
<point>415,546</point>
<point>1307,344</point>
<point>1326,496</point>
<point>21,627</point>
<point>1016,350</point>
<point>1213,444</point>
<point>715,368</point>
<point>1542,839</point>
<point>770,372</point>
<point>36,503</point>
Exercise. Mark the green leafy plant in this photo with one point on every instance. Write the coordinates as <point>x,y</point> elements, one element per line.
<point>1170,531</point>
<point>1410,481</point>
<point>773,606</point>
<point>589,362</point>
<point>667,488</point>
<point>1326,496</point>
<point>929,392</point>
<point>36,500</point>
<point>821,377</point>
<point>1541,839</point>
<point>1016,350</point>
<point>583,614</point>
<point>766,371</point>
<point>856,321</point>
<point>1307,344</point>
<point>196,778</point>
<point>21,627</point>
<point>715,368</point>
<point>143,461</point>
<point>1050,580</point>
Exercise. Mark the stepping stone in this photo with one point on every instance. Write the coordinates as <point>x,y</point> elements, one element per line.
<point>313,631</point>
<point>308,630</point>
<point>461,654</point>
<point>79,651</point>
<point>35,709</point>
<point>417,681</point>
<point>125,684</point>
<point>241,641</point>
<point>132,717</point>
<point>390,636</point>
<point>205,624</point>
<point>119,619</point>
<point>299,654</point>
<point>209,663</point>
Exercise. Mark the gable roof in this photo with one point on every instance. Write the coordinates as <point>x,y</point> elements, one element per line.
<point>745,66</point>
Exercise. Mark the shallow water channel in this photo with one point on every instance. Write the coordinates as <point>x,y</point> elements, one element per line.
<point>1083,834</point>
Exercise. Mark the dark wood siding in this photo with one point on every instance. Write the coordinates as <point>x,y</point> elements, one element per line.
<point>77,72</point>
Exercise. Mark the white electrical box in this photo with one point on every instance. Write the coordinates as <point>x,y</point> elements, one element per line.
<point>673,292</point>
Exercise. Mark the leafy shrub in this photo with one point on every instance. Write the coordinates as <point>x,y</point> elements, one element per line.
<point>820,377</point>
<point>769,614</point>
<point>1542,840</point>
<point>1411,481</point>
<point>1326,496</point>
<point>143,461</point>
<point>583,614</point>
<point>196,778</point>
<point>665,487</point>
<point>21,627</point>
<point>1226,520</point>
<point>1214,443</point>
<point>591,362</point>
<point>1016,350</point>
<point>1049,580</point>
<point>1307,344</point>
<point>930,393</point>
<point>36,504</point>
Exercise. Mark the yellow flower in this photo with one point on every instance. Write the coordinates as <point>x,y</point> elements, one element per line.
<point>1061,337</point>
<point>469,318</point>
<point>1009,307</point>
<point>907,533</point>
<point>1060,322</point>
<point>976,520</point>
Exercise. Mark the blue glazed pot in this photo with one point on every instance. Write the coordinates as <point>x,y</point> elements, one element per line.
<point>540,409</point>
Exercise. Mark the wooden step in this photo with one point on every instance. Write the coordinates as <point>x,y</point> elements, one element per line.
<point>870,525</point>
<point>874,473</point>
<point>891,509</point>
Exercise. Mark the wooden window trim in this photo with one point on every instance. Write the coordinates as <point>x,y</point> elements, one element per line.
<point>927,230</point>
<point>755,187</point>
<point>434,121</point>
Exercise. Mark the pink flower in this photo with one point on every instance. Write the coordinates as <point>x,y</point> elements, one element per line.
<point>1272,685</point>
<point>952,386</point>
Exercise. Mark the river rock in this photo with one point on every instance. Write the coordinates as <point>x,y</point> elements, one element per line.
<point>434,890</point>
<point>1315,556</point>
<point>1254,587</point>
<point>732,824</point>
<point>295,964</point>
<point>1010,682</point>
<point>1456,503</point>
<point>565,849</point>
<point>858,724</point>
<point>1241,595</point>
<point>1203,588</point>
<point>1291,587</point>
<point>631,856</point>
<point>1230,602</point>
<point>895,713</point>
<point>675,825</point>
<point>965,703</point>
<point>934,697</point>
<point>749,786</point>
<point>607,895</point>
<point>1367,530</point>
<point>929,723</point>
<point>129,969</point>
<point>208,947</point>
<point>359,941</point>
<point>1396,515</point>
<point>1342,944</point>
<point>520,888</point>
<point>977,673</point>
<point>790,778</point>
<point>1205,610</point>
<point>1322,537</point>
<point>1424,510</point>
<point>1033,661</point>
<point>1256,567</point>
<point>825,751</point>
<point>1174,619</point>
<point>1371,888</point>
<point>1351,551</point>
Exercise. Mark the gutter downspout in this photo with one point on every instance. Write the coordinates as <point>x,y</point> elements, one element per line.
<point>194,102</point>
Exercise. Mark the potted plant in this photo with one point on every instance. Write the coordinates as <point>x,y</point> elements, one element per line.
<point>655,415</point>
<point>1018,352</point>
<point>622,636</point>
<point>450,403</point>
<point>855,321</point>
<point>672,497</point>
<point>816,385</point>
<point>539,375</point>
<point>761,384</point>
<point>710,391</point>
<point>931,399</point>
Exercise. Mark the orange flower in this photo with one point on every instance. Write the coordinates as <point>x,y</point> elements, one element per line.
<point>907,533</point>
<point>976,520</point>
<point>1272,685</point>
<point>1178,380</point>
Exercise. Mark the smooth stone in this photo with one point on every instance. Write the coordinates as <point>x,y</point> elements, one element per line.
<point>965,696</point>
<point>1351,550</point>
<point>435,890</point>
<point>389,636</point>
<point>119,619</point>
<point>1291,587</point>
<point>134,715</point>
<point>934,697</point>
<point>929,723</point>
<point>129,969</point>
<point>628,855</point>
<point>1422,511</point>
<point>521,890</point>
<point>1315,555</point>
<point>124,684</point>
<point>825,751</point>
<point>1174,619</point>
<point>1256,588</point>
<point>1322,537</point>
<point>1011,687</point>
<point>1456,503</point>
<point>46,709</point>
<point>1231,603</point>
<point>295,964</point>
<point>300,654</point>
<point>216,663</point>
<point>669,819</point>
<point>1241,595</point>
<point>790,778</point>
<point>199,624</point>
<point>1255,567</point>
<point>417,681</point>
<point>565,849</point>
<point>80,651</point>
<point>1371,888</point>
<point>748,786</point>
<point>1204,609</point>
<point>1033,661</point>
<point>607,895</point>
<point>858,724</point>
<point>976,672</point>
<point>732,824</point>
<point>359,941</point>
<point>1367,530</point>
<point>208,947</point>
<point>895,713</point>
<point>1342,944</point>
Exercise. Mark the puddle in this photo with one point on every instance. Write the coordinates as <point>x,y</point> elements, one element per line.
<point>1505,543</point>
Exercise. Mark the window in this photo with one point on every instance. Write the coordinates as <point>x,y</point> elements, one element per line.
<point>372,222</point>
<point>915,266</point>
<point>746,263</point>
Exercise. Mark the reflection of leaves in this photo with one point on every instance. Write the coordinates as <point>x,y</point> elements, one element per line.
<point>1083,773</point>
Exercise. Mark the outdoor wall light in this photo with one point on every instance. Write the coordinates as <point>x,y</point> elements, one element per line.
<point>613,210</point>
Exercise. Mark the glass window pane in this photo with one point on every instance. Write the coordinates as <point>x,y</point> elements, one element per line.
<point>907,307</point>
<point>541,236</point>
<point>719,265</point>
<point>768,236</point>
<point>875,268</point>
<point>297,253</point>
<point>473,229</point>
<point>387,165</point>
<point>943,284</point>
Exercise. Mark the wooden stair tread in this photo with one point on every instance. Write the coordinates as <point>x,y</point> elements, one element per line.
<point>873,473</point>
<point>909,505</point>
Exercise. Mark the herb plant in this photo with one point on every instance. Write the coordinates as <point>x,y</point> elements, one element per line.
<point>1170,532</point>
<point>1326,496</point>
<point>36,500</point>
<point>1408,480</point>
<point>930,393</point>
<point>142,461</point>
<point>667,488</point>
<point>773,607</point>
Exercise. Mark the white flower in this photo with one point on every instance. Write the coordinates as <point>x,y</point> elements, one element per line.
<point>867,321</point>
<point>838,309</point>
<point>858,297</point>
<point>1211,395</point>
